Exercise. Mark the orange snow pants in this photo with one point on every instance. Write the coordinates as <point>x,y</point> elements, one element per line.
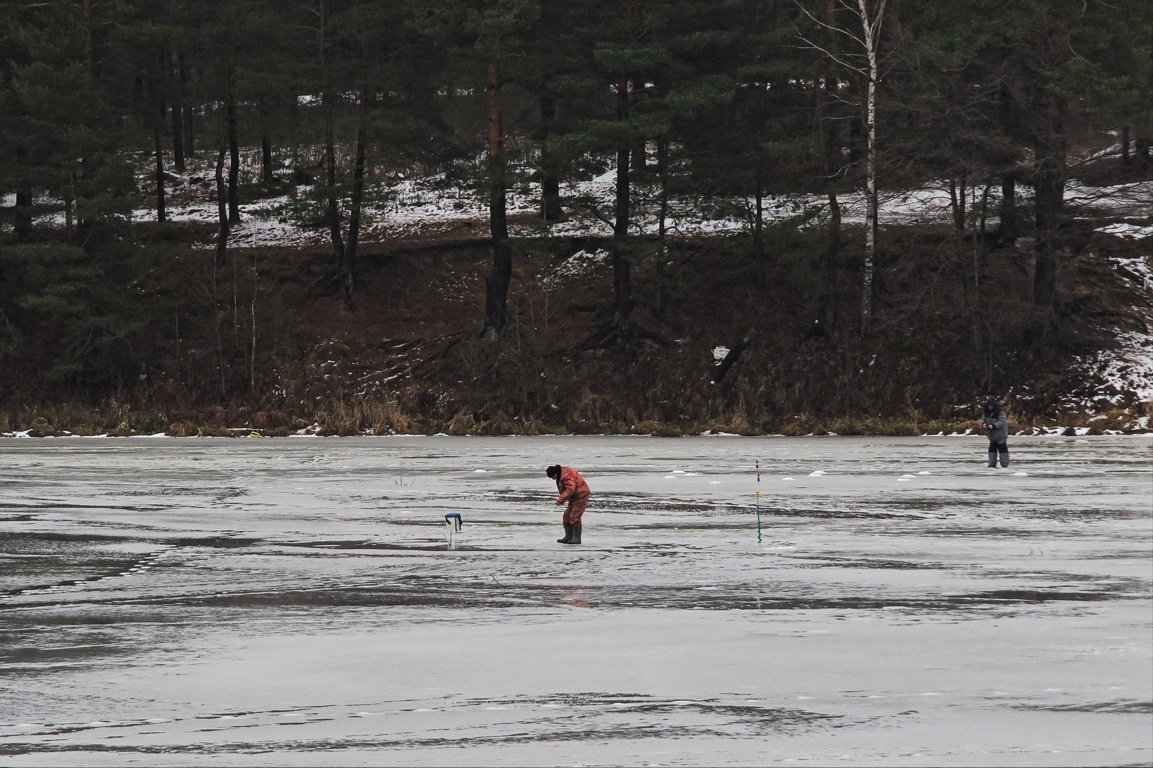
<point>575,509</point>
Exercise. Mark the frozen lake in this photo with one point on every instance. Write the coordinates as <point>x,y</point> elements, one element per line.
<point>292,601</point>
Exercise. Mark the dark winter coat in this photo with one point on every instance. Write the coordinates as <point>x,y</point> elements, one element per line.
<point>570,484</point>
<point>996,424</point>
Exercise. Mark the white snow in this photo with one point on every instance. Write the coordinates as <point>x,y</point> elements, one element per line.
<point>1126,230</point>
<point>579,264</point>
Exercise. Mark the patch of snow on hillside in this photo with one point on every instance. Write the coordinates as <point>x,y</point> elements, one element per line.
<point>1127,231</point>
<point>580,263</point>
<point>1134,199</point>
<point>1127,369</point>
<point>1139,268</point>
<point>409,203</point>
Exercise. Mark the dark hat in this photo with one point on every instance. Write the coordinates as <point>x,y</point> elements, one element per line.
<point>553,471</point>
<point>992,402</point>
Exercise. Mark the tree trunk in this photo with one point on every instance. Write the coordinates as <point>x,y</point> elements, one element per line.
<point>176,62</point>
<point>69,208</point>
<point>827,96</point>
<point>870,28</point>
<point>178,161</point>
<point>252,320</point>
<point>189,131</point>
<point>233,138</point>
<point>499,279</point>
<point>22,215</point>
<point>1141,151</point>
<point>974,300</point>
<point>89,40</point>
<point>639,144</point>
<point>1008,229</point>
<point>828,308</point>
<point>266,175</point>
<point>357,202</point>
<point>871,211</point>
<point>332,207</point>
<point>161,213</point>
<point>639,161</point>
<point>958,194</point>
<point>223,229</point>
<point>221,255</point>
<point>827,317</point>
<point>983,211</point>
<point>550,205</point>
<point>662,223</point>
<point>622,263</point>
<point>1049,202</point>
<point>759,218</point>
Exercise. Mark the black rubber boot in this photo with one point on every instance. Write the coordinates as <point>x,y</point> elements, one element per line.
<point>567,535</point>
<point>993,457</point>
<point>575,538</point>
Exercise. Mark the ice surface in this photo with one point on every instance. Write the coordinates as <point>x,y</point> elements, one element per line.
<point>275,602</point>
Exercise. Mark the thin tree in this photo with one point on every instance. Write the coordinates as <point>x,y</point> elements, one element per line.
<point>502,27</point>
<point>622,211</point>
<point>356,203</point>
<point>865,62</point>
<point>499,279</point>
<point>328,104</point>
<point>232,125</point>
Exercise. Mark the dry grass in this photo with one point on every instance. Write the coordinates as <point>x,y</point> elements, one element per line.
<point>408,412</point>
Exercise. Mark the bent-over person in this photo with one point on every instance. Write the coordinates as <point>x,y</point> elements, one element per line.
<point>573,491</point>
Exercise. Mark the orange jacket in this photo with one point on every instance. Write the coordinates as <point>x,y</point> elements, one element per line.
<point>570,484</point>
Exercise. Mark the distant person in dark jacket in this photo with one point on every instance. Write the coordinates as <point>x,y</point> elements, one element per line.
<point>573,491</point>
<point>996,426</point>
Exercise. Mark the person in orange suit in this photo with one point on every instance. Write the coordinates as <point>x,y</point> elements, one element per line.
<point>574,491</point>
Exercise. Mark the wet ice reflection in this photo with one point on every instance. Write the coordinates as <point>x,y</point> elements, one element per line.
<point>192,601</point>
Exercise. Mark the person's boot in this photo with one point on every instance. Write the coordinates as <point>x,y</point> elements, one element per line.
<point>567,535</point>
<point>993,458</point>
<point>1005,460</point>
<point>575,538</point>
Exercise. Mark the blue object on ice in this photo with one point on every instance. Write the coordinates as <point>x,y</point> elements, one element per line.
<point>453,519</point>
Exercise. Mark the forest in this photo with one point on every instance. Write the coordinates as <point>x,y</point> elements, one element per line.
<point>121,314</point>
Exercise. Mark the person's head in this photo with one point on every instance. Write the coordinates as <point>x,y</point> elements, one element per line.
<point>992,403</point>
<point>553,471</point>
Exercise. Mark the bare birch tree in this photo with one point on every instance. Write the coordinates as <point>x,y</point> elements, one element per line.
<point>869,15</point>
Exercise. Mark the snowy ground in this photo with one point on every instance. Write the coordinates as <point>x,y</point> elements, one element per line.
<point>414,205</point>
<point>423,205</point>
<point>294,602</point>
